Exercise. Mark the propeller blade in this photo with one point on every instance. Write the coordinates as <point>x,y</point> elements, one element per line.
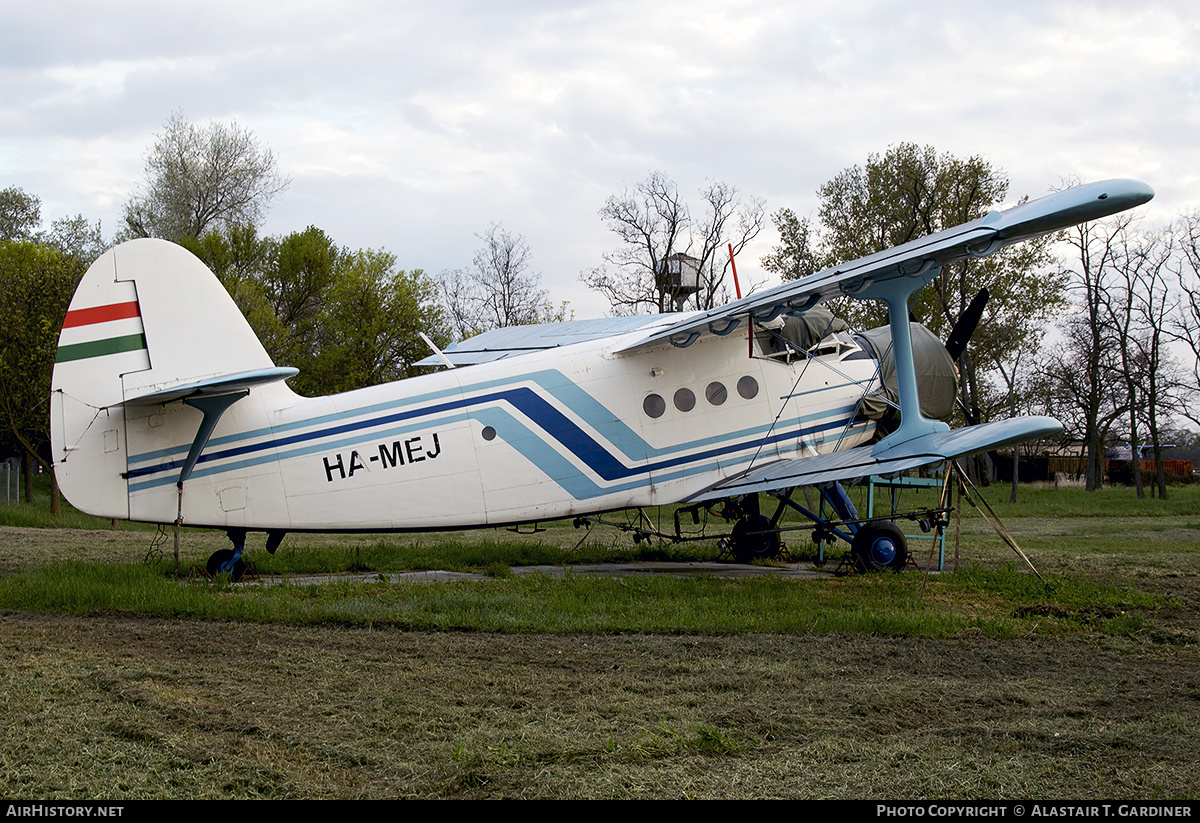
<point>960,335</point>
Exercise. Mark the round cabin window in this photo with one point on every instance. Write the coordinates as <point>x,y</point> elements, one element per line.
<point>685,400</point>
<point>748,387</point>
<point>654,406</point>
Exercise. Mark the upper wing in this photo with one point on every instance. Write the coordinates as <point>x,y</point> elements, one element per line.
<point>920,258</point>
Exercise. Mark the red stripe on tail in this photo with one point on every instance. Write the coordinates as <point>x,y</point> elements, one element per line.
<point>101,314</point>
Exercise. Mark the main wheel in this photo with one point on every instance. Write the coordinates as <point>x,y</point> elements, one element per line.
<point>753,538</point>
<point>220,558</point>
<point>879,546</point>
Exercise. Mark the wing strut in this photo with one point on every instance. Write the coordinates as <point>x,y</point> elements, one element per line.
<point>896,294</point>
<point>212,407</point>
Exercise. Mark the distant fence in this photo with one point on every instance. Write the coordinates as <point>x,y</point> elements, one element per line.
<point>1043,467</point>
<point>1030,470</point>
<point>11,468</point>
<point>1121,471</point>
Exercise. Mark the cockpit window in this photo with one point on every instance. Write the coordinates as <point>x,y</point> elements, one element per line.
<point>841,345</point>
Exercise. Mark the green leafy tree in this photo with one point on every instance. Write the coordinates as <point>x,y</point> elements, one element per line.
<point>76,237</point>
<point>345,319</point>
<point>36,285</point>
<point>795,256</point>
<point>372,312</point>
<point>240,259</point>
<point>301,269</point>
<point>21,219</point>
<point>20,214</point>
<point>909,192</point>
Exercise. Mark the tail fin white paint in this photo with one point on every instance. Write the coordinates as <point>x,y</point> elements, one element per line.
<point>148,323</point>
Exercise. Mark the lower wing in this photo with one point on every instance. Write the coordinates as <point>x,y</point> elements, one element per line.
<point>863,461</point>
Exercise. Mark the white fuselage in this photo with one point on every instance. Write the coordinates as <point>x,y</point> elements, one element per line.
<point>566,431</point>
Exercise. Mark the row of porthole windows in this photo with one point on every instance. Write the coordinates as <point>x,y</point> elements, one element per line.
<point>685,399</point>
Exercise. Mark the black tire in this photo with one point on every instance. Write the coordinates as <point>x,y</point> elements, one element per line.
<point>218,558</point>
<point>753,539</point>
<point>879,546</point>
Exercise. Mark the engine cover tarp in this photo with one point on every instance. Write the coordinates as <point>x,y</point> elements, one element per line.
<point>937,379</point>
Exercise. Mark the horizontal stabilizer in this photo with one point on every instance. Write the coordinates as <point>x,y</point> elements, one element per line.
<point>222,384</point>
<point>921,451</point>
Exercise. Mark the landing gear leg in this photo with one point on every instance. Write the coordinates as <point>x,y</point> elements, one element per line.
<point>754,535</point>
<point>229,561</point>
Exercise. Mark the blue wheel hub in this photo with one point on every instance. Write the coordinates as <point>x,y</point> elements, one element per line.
<point>883,551</point>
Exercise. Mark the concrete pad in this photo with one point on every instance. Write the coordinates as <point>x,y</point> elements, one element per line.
<point>724,570</point>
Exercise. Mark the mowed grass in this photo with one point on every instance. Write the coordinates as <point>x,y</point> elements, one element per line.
<point>1004,602</point>
<point>1107,562</point>
<point>124,681</point>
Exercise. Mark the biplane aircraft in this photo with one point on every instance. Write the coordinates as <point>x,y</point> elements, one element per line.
<point>166,408</point>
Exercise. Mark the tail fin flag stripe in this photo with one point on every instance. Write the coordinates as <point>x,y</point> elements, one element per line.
<point>99,348</point>
<point>98,331</point>
<point>101,314</point>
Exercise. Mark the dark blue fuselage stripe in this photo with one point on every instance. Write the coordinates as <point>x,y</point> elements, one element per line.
<point>523,399</point>
<point>547,417</point>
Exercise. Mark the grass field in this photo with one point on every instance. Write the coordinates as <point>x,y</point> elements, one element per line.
<point>123,681</point>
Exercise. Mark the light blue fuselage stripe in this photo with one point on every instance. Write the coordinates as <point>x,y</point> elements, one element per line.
<point>546,417</point>
<point>555,383</point>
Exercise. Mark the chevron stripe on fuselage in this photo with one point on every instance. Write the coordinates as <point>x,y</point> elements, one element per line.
<point>570,423</point>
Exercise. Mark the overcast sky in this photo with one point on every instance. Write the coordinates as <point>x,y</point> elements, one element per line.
<point>412,125</point>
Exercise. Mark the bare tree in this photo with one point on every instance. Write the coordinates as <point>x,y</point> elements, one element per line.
<point>727,221</point>
<point>1139,307</point>
<point>1085,372</point>
<point>498,290</point>
<point>1018,377</point>
<point>1118,310</point>
<point>200,178</point>
<point>1184,327</point>
<point>654,223</point>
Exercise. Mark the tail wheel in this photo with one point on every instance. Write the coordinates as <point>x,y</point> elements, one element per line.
<point>219,559</point>
<point>879,546</point>
<point>753,538</point>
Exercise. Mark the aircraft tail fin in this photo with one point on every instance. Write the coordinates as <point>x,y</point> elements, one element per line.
<point>148,323</point>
